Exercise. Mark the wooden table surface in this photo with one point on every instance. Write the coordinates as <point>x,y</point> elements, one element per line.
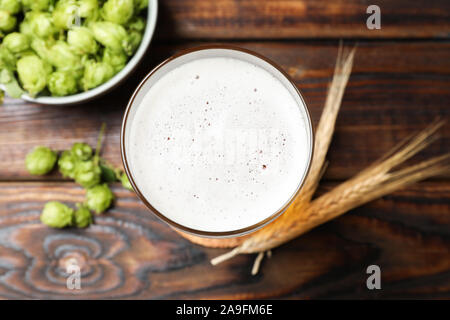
<point>400,83</point>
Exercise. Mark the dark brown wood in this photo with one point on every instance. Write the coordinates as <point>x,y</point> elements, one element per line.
<point>400,83</point>
<point>128,253</point>
<point>395,89</point>
<point>284,19</point>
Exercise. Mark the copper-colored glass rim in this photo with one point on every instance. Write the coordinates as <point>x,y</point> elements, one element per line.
<point>202,233</point>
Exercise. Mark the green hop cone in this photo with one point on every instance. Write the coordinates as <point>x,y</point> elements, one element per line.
<point>32,74</point>
<point>62,83</point>
<point>57,215</point>
<point>7,59</point>
<point>12,6</point>
<point>82,216</point>
<point>111,35</point>
<point>62,57</point>
<point>41,47</point>
<point>117,60</point>
<point>66,14</point>
<point>126,182</point>
<point>95,74</point>
<point>88,9</point>
<point>59,55</point>
<point>134,40</point>
<point>67,164</point>
<point>135,31</point>
<point>16,42</point>
<point>7,21</point>
<point>99,198</point>
<point>87,173</point>
<point>136,24</point>
<point>118,11</point>
<point>40,161</point>
<point>36,5</point>
<point>141,4</point>
<point>81,40</point>
<point>81,151</point>
<point>39,24</point>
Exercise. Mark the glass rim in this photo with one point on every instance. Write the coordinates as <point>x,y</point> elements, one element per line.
<point>202,233</point>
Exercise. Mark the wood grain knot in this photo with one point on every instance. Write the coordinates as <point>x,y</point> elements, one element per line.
<point>115,257</point>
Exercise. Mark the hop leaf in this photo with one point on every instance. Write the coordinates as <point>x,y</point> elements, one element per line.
<point>109,174</point>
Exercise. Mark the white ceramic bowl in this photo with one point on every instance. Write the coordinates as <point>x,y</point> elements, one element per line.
<point>119,77</point>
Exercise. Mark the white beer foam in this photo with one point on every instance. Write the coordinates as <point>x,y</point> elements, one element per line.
<point>218,144</point>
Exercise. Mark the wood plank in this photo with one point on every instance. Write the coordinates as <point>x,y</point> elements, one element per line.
<point>128,253</point>
<point>287,19</point>
<point>396,89</point>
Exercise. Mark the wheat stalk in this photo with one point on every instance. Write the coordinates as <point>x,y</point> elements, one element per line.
<point>325,128</point>
<point>373,182</point>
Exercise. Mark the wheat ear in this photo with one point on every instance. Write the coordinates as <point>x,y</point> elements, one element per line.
<point>375,181</point>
